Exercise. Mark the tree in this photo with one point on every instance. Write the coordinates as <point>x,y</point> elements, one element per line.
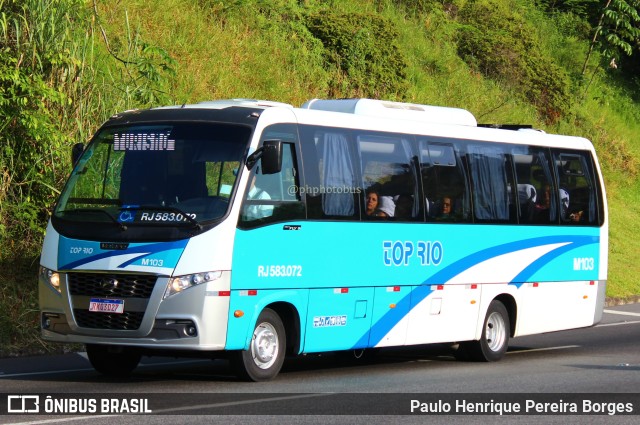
<point>617,31</point>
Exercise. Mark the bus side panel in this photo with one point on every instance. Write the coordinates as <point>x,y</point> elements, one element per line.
<point>553,306</point>
<point>322,255</point>
<point>391,305</point>
<point>251,304</point>
<point>338,319</point>
<point>546,304</point>
<point>443,313</point>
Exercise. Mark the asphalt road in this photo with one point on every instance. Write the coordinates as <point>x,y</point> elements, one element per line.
<point>558,370</point>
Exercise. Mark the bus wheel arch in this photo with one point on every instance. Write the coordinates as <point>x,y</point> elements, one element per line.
<point>268,345</point>
<point>291,321</point>
<point>512,309</point>
<point>497,328</point>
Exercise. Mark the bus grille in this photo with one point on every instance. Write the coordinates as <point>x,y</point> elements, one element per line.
<point>111,285</point>
<point>127,321</point>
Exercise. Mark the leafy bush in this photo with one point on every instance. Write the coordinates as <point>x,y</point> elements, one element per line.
<point>35,58</point>
<point>416,7</point>
<point>57,83</point>
<point>55,87</point>
<point>501,45</point>
<point>363,49</point>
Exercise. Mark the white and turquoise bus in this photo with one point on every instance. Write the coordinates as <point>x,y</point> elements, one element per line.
<point>255,230</point>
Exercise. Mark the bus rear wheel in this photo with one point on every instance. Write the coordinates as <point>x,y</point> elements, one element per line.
<point>113,361</point>
<point>494,342</point>
<point>265,356</point>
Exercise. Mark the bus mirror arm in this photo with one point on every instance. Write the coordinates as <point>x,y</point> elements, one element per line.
<point>270,155</point>
<point>253,158</point>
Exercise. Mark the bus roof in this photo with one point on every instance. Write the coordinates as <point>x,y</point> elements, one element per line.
<point>227,103</point>
<point>394,116</point>
<point>395,110</point>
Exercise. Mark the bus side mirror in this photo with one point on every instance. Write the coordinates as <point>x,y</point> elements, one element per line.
<point>271,156</point>
<point>76,153</point>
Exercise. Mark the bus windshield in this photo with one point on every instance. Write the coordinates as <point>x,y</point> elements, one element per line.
<point>160,174</point>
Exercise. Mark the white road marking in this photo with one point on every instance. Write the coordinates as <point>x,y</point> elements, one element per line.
<point>46,372</point>
<point>238,403</point>
<point>52,372</point>
<point>564,347</point>
<point>604,325</point>
<point>622,313</point>
<point>53,421</point>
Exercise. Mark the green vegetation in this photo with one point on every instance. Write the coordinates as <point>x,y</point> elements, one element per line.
<point>565,66</point>
<point>364,50</point>
<point>502,45</point>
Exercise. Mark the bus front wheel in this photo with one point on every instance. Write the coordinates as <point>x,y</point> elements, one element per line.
<point>494,342</point>
<point>263,360</point>
<point>113,361</point>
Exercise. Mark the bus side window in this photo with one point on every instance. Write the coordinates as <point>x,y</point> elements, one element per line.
<point>576,190</point>
<point>331,188</point>
<point>389,177</point>
<point>534,187</point>
<point>487,165</point>
<point>444,182</point>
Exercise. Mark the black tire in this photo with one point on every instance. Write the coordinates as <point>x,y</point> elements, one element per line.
<point>494,342</point>
<point>114,361</point>
<point>265,356</point>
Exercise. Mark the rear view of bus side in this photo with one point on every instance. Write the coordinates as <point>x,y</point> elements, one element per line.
<point>256,230</point>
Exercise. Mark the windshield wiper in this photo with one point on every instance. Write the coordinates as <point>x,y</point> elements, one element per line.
<point>122,226</point>
<point>195,224</point>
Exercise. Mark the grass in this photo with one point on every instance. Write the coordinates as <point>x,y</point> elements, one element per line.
<point>624,269</point>
<point>19,304</point>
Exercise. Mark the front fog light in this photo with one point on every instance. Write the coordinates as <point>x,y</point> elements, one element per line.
<point>48,319</point>
<point>180,283</point>
<point>51,277</point>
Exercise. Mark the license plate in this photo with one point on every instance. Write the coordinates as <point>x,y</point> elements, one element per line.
<point>100,305</point>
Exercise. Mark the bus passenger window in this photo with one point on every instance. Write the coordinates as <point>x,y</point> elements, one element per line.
<point>389,177</point>
<point>536,202</point>
<point>330,186</point>
<point>576,192</point>
<point>444,182</point>
<point>489,177</point>
<point>337,175</point>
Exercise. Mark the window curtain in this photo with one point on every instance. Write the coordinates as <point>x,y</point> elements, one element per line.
<point>489,183</point>
<point>406,147</point>
<point>339,177</point>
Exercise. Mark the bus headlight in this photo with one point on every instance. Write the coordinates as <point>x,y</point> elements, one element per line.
<point>180,283</point>
<point>51,277</point>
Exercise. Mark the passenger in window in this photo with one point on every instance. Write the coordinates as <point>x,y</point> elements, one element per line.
<point>404,207</point>
<point>372,203</point>
<point>577,216</point>
<point>256,211</point>
<point>386,207</point>
<point>446,209</point>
